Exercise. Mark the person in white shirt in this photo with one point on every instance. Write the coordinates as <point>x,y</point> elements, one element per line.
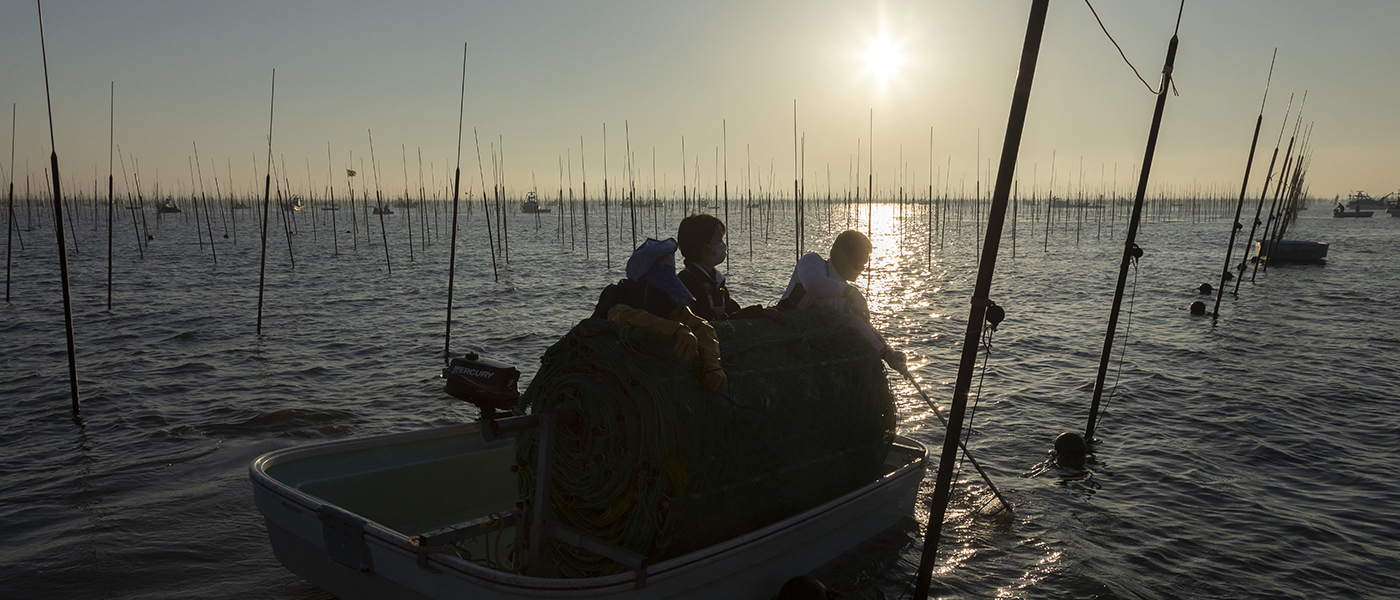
<point>820,282</point>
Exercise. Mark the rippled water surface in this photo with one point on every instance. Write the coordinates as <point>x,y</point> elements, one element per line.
<point>1252,459</point>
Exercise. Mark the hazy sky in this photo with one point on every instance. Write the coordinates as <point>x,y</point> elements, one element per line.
<point>540,75</point>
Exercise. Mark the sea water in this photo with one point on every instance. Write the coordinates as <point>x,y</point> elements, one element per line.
<point>1255,457</point>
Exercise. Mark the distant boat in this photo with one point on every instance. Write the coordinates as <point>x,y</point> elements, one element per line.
<point>295,204</point>
<point>383,210</point>
<point>531,205</point>
<point>1342,213</point>
<point>1361,201</point>
<point>167,206</point>
<point>331,207</point>
<point>240,205</point>
<point>1291,251</point>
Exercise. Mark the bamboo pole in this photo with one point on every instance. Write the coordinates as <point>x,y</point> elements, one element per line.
<point>267,200</point>
<point>981,300</point>
<point>1236,226</point>
<point>58,226</point>
<point>11,225</point>
<point>1130,249</point>
<point>487,214</point>
<point>456,195</point>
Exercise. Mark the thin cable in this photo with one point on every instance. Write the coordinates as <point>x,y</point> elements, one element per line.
<point>986,343</point>
<point>1172,82</point>
<point>1128,329</point>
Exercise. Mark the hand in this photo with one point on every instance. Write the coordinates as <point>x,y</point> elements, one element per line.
<point>775,316</point>
<point>896,360</point>
<point>687,346</point>
<point>713,378</point>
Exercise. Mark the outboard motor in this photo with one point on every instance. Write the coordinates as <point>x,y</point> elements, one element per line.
<point>491,385</point>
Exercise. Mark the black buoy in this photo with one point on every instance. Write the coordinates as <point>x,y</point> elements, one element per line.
<point>1070,450</point>
<point>1205,288</point>
<point>803,587</point>
<point>1198,308</point>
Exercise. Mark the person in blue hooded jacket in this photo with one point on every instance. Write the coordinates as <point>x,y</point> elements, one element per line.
<point>653,298</point>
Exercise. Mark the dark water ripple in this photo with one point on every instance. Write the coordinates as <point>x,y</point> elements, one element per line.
<point>1254,459</point>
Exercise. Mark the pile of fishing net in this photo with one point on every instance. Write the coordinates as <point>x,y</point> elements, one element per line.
<point>646,459</point>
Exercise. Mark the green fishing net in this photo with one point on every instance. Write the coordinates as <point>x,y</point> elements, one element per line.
<point>646,459</point>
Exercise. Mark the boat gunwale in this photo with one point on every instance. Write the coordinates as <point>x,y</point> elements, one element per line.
<point>398,542</point>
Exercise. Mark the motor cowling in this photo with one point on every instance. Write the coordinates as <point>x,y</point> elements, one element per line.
<point>491,385</point>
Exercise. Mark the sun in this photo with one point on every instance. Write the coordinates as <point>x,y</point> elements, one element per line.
<point>883,58</point>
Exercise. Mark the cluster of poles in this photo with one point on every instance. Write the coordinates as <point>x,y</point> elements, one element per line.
<point>1289,196</point>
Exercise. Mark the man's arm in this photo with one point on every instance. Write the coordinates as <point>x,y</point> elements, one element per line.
<point>811,272</point>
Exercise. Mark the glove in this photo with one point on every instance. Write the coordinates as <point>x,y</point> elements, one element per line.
<point>714,378</point>
<point>687,345</point>
<point>895,359</point>
<point>711,375</point>
<point>686,342</point>
<point>775,316</point>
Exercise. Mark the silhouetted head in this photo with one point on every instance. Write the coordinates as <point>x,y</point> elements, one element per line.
<point>1205,288</point>
<point>850,253</point>
<point>803,587</point>
<point>1070,450</point>
<point>1198,308</point>
<point>699,236</point>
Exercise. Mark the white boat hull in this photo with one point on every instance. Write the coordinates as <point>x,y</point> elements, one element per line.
<point>754,565</point>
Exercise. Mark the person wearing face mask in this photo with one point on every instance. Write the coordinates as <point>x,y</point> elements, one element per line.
<point>700,238</point>
<point>819,282</point>
<point>652,298</point>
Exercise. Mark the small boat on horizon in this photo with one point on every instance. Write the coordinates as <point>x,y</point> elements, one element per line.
<point>1341,212</point>
<point>531,205</point>
<point>167,206</point>
<point>383,210</point>
<point>295,204</point>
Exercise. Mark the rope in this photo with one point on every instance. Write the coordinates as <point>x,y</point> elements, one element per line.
<point>1127,329</point>
<point>1170,81</point>
<point>986,343</point>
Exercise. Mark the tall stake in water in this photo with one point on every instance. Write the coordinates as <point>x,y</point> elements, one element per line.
<point>1264,193</point>
<point>267,200</point>
<point>1244,185</point>
<point>456,195</point>
<point>484,207</point>
<point>10,224</point>
<point>1130,250</point>
<point>981,299</point>
<point>379,204</point>
<point>111,204</point>
<point>607,219</point>
<point>58,224</point>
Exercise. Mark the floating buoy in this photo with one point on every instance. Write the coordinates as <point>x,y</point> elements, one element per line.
<point>1205,288</point>
<point>1070,450</point>
<point>1198,308</point>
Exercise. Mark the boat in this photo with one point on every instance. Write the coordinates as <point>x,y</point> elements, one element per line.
<point>296,203</point>
<point>1291,251</point>
<point>373,517</point>
<point>1361,201</point>
<point>531,205</point>
<point>167,206</point>
<point>383,210</point>
<point>1341,212</point>
<point>239,205</point>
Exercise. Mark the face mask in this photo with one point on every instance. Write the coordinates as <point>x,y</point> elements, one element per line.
<point>717,252</point>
